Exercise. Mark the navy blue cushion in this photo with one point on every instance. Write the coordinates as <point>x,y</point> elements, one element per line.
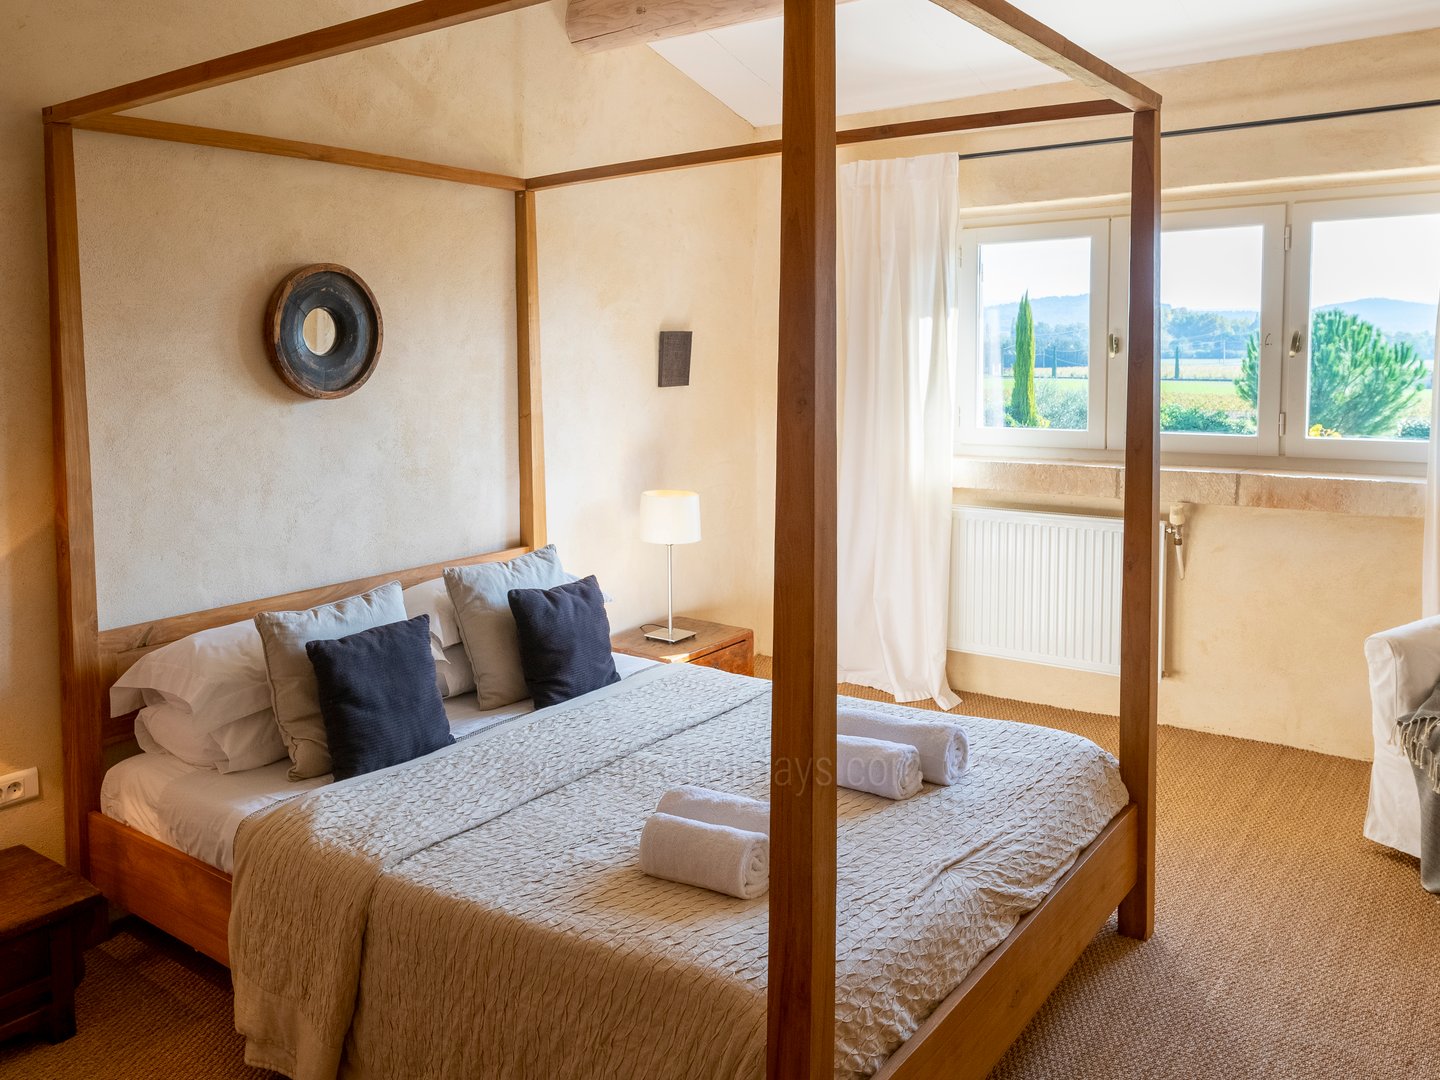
<point>378,696</point>
<point>564,640</point>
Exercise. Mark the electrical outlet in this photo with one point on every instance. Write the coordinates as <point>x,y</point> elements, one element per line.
<point>18,787</point>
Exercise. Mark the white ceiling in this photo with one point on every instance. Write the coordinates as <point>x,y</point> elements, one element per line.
<point>894,53</point>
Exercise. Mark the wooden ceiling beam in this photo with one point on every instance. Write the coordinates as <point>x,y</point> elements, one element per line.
<point>596,25</point>
<point>1005,22</point>
<point>378,29</point>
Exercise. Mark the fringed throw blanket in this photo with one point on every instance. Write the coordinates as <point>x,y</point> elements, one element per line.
<point>1420,736</point>
<point>480,912</point>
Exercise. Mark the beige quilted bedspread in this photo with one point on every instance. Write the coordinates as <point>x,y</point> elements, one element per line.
<point>480,913</point>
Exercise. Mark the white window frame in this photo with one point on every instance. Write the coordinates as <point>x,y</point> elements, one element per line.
<point>1266,440</point>
<point>1304,214</point>
<point>971,434</point>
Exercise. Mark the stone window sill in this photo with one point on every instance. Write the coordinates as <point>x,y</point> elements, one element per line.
<point>1365,496</point>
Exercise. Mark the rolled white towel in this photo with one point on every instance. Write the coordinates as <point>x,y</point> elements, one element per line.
<point>882,768</point>
<point>724,860</point>
<point>944,750</point>
<point>716,807</point>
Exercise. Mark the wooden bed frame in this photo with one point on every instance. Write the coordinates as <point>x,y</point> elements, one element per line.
<point>972,1028</point>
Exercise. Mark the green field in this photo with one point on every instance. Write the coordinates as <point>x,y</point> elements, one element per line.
<point>1208,385</point>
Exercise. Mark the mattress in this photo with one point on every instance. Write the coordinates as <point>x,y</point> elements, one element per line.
<point>199,810</point>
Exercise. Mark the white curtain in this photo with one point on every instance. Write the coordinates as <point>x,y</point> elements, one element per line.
<point>1430,553</point>
<point>899,262</point>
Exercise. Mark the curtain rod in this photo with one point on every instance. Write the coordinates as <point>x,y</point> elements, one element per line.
<point>1242,125</point>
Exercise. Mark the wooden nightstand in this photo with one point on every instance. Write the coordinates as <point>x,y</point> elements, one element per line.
<point>729,648</point>
<point>47,918</point>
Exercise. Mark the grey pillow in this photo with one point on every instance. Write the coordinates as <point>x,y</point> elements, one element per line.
<point>293,691</point>
<point>481,595</point>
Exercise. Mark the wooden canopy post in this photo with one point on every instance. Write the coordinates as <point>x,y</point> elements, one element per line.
<point>1140,594</point>
<point>81,707</point>
<point>527,374</point>
<point>800,1038</point>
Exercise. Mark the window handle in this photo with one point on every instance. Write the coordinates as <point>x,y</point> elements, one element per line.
<point>1114,344</point>
<point>1297,342</point>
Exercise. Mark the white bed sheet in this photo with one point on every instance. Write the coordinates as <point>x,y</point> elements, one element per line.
<point>199,810</point>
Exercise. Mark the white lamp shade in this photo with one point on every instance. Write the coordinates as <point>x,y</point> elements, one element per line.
<point>669,517</point>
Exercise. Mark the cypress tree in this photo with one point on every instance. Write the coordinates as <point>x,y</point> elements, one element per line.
<point>1022,393</point>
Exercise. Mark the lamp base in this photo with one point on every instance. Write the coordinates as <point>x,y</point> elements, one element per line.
<point>670,637</point>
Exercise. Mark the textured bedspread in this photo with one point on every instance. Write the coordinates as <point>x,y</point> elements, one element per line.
<point>480,912</point>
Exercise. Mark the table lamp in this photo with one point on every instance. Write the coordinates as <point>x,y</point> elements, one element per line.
<point>669,518</point>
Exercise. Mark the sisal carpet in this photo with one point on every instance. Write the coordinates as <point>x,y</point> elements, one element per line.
<point>1287,947</point>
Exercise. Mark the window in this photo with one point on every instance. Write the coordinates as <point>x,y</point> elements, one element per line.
<point>1289,328</point>
<point>1362,355</point>
<point>1221,290</point>
<point>1035,365</point>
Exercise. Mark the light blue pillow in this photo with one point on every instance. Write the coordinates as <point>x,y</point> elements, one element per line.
<point>481,596</point>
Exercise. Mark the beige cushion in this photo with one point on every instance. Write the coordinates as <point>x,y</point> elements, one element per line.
<point>481,595</point>
<point>293,692</point>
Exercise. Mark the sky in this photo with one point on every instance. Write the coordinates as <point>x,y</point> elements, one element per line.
<point>1397,258</point>
<point>1044,267</point>
<point>1220,269</point>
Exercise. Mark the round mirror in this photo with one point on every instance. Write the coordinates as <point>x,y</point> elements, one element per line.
<point>319,331</point>
<point>323,331</point>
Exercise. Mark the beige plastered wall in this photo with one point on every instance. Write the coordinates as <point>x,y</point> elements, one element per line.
<point>215,484</point>
<point>1266,632</point>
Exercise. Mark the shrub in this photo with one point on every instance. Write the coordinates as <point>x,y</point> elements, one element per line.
<point>1063,403</point>
<point>1414,427</point>
<point>1187,416</point>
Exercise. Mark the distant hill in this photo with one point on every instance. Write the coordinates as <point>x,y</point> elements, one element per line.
<point>1056,310</point>
<point>1391,316</point>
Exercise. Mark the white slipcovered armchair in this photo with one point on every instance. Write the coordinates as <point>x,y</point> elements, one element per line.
<point>1404,668</point>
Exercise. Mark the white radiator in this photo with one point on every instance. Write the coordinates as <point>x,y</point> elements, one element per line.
<point>1038,587</point>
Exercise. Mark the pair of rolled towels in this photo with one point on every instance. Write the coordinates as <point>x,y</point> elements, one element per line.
<point>720,841</point>
<point>890,756</point>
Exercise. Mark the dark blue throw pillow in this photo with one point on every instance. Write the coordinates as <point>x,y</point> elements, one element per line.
<point>378,697</point>
<point>564,640</point>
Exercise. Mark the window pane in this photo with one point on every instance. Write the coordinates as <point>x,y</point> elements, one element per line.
<point>1210,295</point>
<point>1373,289</point>
<point>1035,334</point>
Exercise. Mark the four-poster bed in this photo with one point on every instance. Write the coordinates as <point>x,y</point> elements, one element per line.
<point>973,1026</point>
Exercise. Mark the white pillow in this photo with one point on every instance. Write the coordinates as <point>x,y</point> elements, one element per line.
<point>431,598</point>
<point>453,673</point>
<point>246,743</point>
<point>218,674</point>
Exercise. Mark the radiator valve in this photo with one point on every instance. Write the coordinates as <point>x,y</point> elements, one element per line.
<point>1174,528</point>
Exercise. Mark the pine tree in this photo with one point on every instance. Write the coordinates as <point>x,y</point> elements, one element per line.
<point>1360,383</point>
<point>1247,385</point>
<point>1021,412</point>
